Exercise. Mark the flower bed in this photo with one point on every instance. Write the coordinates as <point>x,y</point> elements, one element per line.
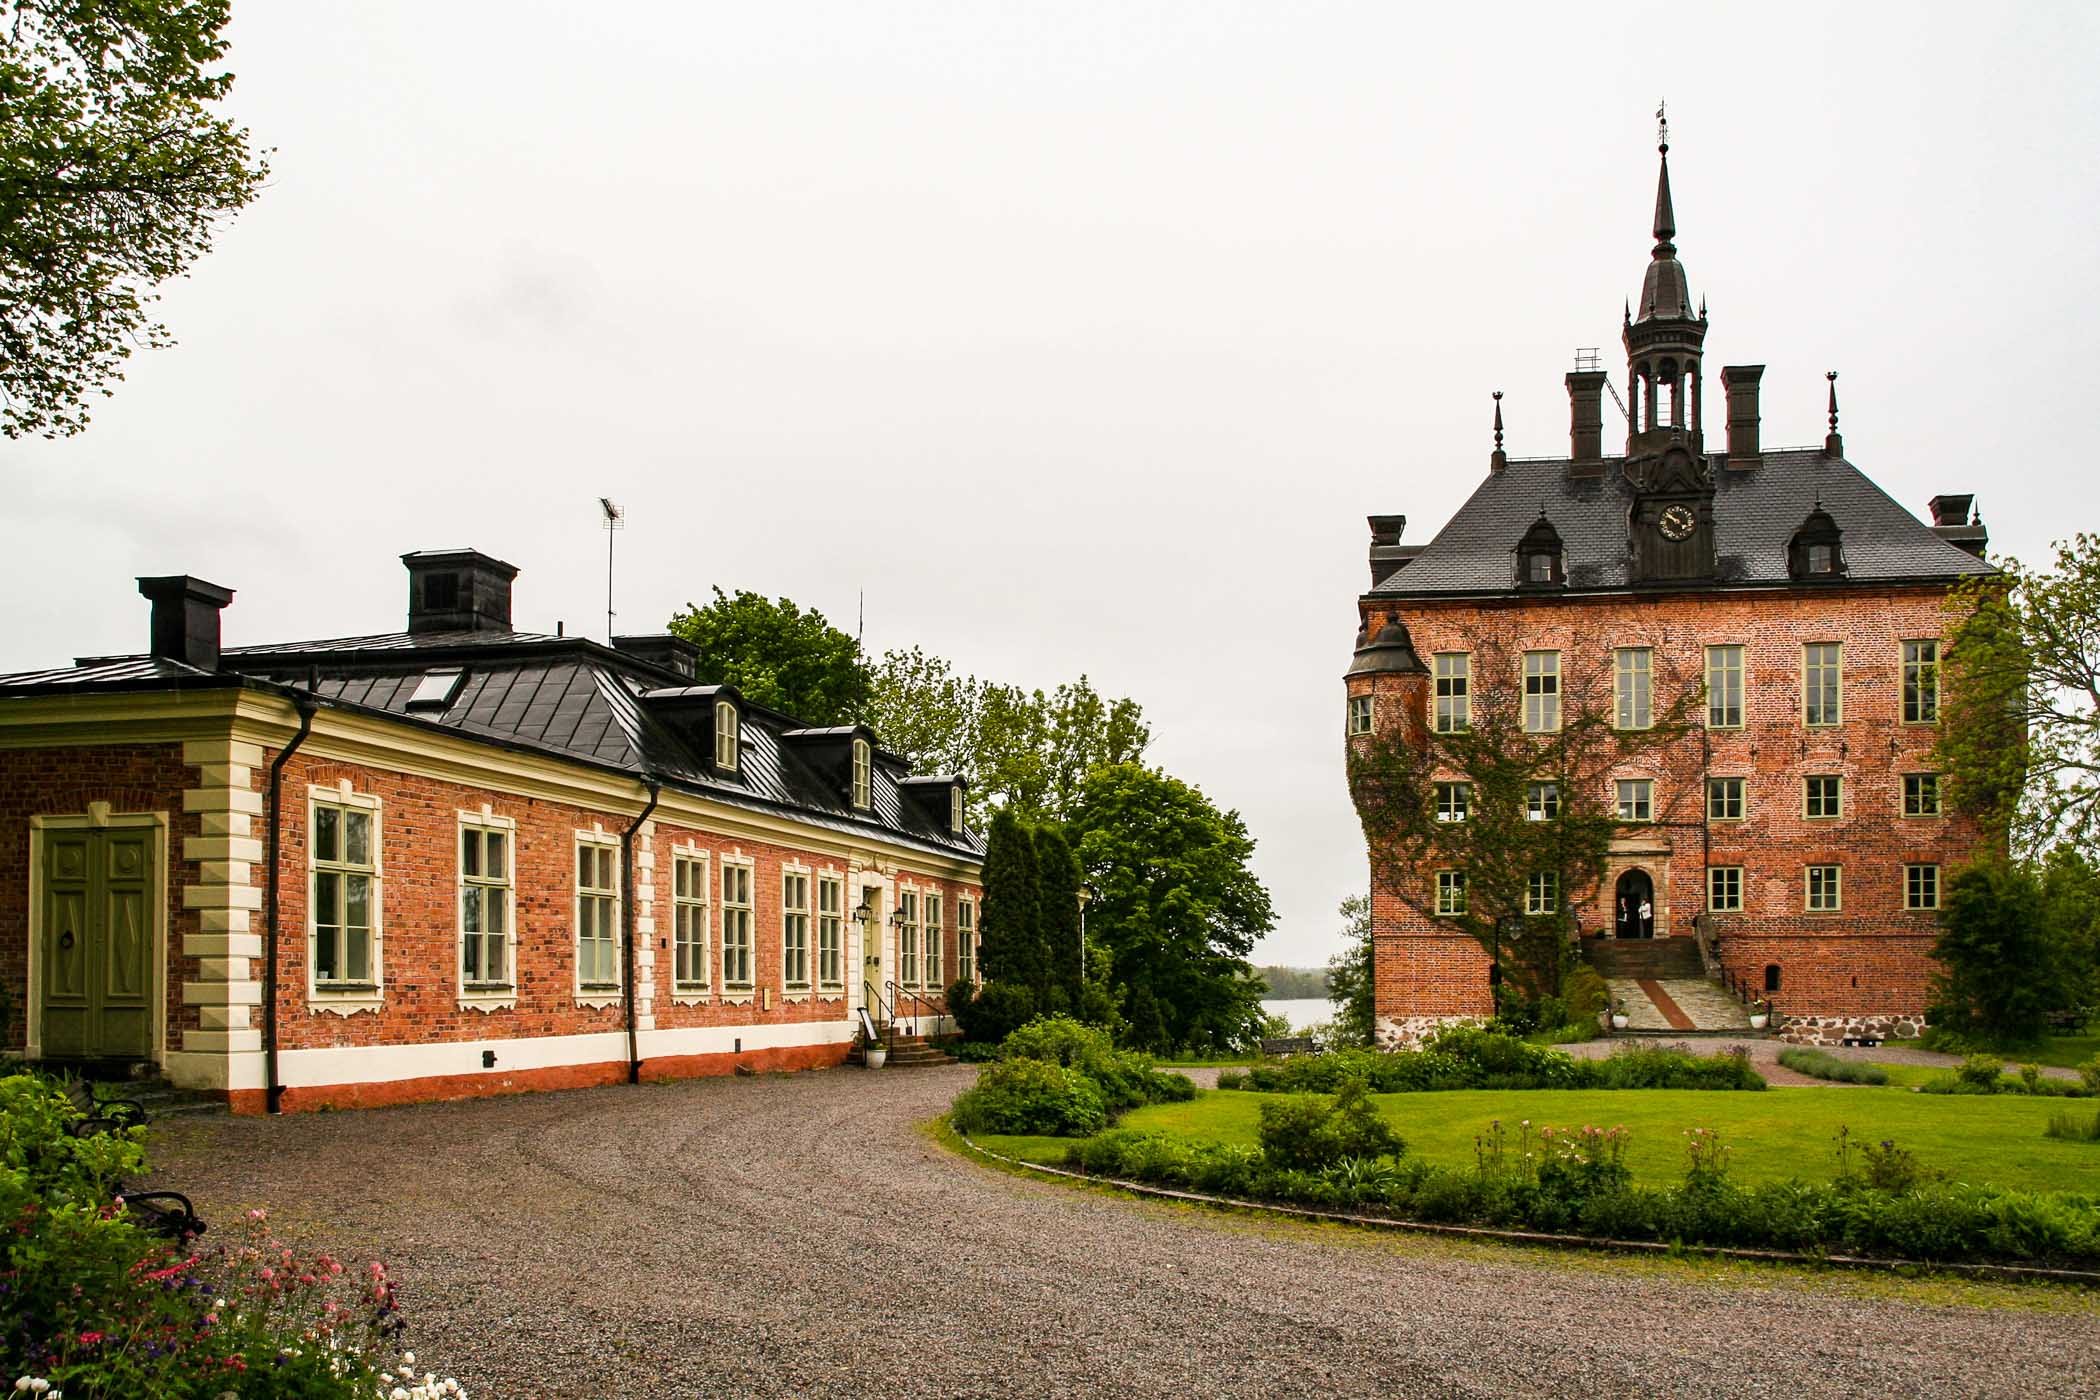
<point>1469,1057</point>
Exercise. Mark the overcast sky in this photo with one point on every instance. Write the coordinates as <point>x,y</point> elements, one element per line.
<point>1081,338</point>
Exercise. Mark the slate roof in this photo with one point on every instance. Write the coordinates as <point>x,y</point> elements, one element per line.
<point>562,696</point>
<point>1756,512</point>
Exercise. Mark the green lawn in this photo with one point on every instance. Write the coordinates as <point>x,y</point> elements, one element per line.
<point>2063,1051</point>
<point>1774,1135</point>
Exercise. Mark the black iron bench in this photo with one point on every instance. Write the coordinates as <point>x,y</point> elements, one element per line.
<point>1290,1045</point>
<point>167,1213</point>
<point>100,1115</point>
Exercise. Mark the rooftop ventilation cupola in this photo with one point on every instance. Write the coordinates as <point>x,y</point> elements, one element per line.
<point>457,590</point>
<point>1666,341</point>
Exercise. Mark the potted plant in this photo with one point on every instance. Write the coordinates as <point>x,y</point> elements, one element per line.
<point>1618,1015</point>
<point>878,1054</point>
<point>1760,1014</point>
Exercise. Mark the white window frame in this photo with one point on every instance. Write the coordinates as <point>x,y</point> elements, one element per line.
<point>692,914</point>
<point>1542,800</point>
<point>1926,666</point>
<point>1359,722</point>
<point>606,902</point>
<point>739,927</point>
<point>1450,894</point>
<point>1835,894</point>
<point>795,918</point>
<point>909,973</point>
<point>1642,789</point>
<point>729,736</point>
<point>1724,661</point>
<point>966,939</point>
<point>1917,898</point>
<point>493,994</point>
<point>1927,786</point>
<point>1633,688</point>
<point>1541,692</point>
<point>831,931</point>
<point>863,793</point>
<point>1453,691</point>
<point>955,809</point>
<point>935,963</point>
<point>345,996</point>
<point>1812,668</point>
<point>1728,900</point>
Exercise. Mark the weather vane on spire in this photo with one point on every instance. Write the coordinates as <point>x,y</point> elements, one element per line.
<point>1662,126</point>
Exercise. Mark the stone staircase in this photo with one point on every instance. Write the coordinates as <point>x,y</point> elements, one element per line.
<point>906,1051</point>
<point>1663,988</point>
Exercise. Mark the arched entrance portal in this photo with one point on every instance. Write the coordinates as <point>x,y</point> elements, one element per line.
<point>1636,905</point>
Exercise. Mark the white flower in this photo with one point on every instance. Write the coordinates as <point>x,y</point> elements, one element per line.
<point>408,1358</point>
<point>397,1393</point>
<point>39,1386</point>
<point>22,1383</point>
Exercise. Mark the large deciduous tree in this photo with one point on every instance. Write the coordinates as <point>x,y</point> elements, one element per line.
<point>1351,984</point>
<point>114,169</point>
<point>777,655</point>
<point>1175,906</point>
<point>1519,804</point>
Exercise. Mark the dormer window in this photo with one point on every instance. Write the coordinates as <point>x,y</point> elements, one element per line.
<point>1817,549</point>
<point>1540,561</point>
<point>729,736</point>
<point>863,774</point>
<point>955,809</point>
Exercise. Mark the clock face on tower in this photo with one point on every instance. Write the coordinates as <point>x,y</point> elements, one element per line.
<point>1677,523</point>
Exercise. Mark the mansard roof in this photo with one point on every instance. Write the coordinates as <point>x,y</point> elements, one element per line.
<point>1756,512</point>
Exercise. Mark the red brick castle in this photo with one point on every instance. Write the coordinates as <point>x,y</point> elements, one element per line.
<point>1796,835</point>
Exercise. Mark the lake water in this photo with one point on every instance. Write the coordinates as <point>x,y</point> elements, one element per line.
<point>1301,1011</point>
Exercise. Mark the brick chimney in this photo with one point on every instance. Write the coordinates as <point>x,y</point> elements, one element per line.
<point>1388,555</point>
<point>1955,520</point>
<point>1740,382</point>
<point>457,590</point>
<point>1586,422</point>
<point>185,623</point>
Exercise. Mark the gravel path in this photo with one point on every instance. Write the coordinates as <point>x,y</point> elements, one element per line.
<point>799,1235</point>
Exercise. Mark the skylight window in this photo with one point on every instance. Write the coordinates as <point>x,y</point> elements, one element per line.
<point>436,689</point>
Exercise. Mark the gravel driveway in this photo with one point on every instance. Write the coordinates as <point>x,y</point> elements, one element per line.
<point>799,1235</point>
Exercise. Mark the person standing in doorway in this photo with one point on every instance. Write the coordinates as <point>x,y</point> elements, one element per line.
<point>1647,928</point>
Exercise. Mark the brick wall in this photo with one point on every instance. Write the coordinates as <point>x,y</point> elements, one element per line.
<point>1871,957</point>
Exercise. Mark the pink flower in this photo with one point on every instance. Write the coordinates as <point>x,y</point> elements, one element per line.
<point>88,1339</point>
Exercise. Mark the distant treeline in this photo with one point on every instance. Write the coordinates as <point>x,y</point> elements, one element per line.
<point>1286,983</point>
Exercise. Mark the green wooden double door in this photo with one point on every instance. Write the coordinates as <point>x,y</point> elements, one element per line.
<point>95,964</point>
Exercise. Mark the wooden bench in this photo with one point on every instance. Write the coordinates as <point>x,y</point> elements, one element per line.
<point>2067,1022</point>
<point>1285,1046</point>
<point>167,1213</point>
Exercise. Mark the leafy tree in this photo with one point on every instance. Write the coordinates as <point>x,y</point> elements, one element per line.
<point>1010,924</point>
<point>1999,974</point>
<point>2020,732</point>
<point>1019,748</point>
<point>1176,907</point>
<point>1062,956</point>
<point>1506,835</point>
<point>113,170</point>
<point>2071,911</point>
<point>778,655</point>
<point>1351,984</point>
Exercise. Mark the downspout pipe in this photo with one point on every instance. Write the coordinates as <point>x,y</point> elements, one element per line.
<point>634,1052</point>
<point>273,1090</point>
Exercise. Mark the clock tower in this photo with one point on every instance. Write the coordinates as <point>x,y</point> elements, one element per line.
<point>1670,522</point>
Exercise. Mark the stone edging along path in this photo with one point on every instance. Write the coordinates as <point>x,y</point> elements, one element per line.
<point>2015,1272</point>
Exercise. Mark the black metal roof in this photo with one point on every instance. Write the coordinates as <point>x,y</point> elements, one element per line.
<point>563,696</point>
<point>1756,511</point>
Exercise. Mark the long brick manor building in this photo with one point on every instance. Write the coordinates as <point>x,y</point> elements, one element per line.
<point>1796,834</point>
<point>454,859</point>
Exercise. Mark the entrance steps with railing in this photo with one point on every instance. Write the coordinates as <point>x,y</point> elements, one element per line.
<point>906,1051</point>
<point>1662,986</point>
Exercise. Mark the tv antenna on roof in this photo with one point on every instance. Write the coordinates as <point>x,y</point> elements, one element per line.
<point>615,519</point>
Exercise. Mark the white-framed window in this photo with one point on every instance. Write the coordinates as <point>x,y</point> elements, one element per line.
<point>908,974</point>
<point>1822,684</point>
<point>737,975</point>
<point>1921,682</point>
<point>794,930</point>
<point>597,913</point>
<point>1454,692</point>
<point>1636,799</point>
<point>1542,802</point>
<point>1359,714</point>
<point>1822,796</point>
<point>1450,893</point>
<point>966,939</point>
<point>1633,677</point>
<point>729,736</point>
<point>831,933</point>
<point>933,942</point>
<point>1541,692</point>
<point>863,774</point>
<point>1453,801</point>
<point>1921,794</point>
<point>343,892</point>
<point>689,886</point>
<point>1542,892</point>
<point>487,887</point>
<point>1921,887</point>
<point>955,808</point>
<point>1724,889</point>
<point>1724,799</point>
<point>1724,687</point>
<point>1825,889</point>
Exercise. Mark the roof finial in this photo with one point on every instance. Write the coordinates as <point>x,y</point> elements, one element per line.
<point>1498,459</point>
<point>1665,212</point>
<point>1833,446</point>
<point>1662,127</point>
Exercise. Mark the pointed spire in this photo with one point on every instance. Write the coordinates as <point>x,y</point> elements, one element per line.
<point>1665,216</point>
<point>1833,446</point>
<point>1498,459</point>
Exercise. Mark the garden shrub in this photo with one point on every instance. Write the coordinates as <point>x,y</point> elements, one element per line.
<point>1471,1057</point>
<point>1307,1133</point>
<point>1634,1066</point>
<point>2089,1075</point>
<point>1973,1077</point>
<point>2073,1127</point>
<point>1585,993</point>
<point>1031,1096</point>
<point>1124,1077</point>
<point>974,1052</point>
<point>1232,1078</point>
<point>1981,1071</point>
<point>1819,1064</point>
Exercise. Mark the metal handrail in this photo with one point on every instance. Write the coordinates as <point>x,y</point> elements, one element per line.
<point>903,992</point>
<point>872,999</point>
